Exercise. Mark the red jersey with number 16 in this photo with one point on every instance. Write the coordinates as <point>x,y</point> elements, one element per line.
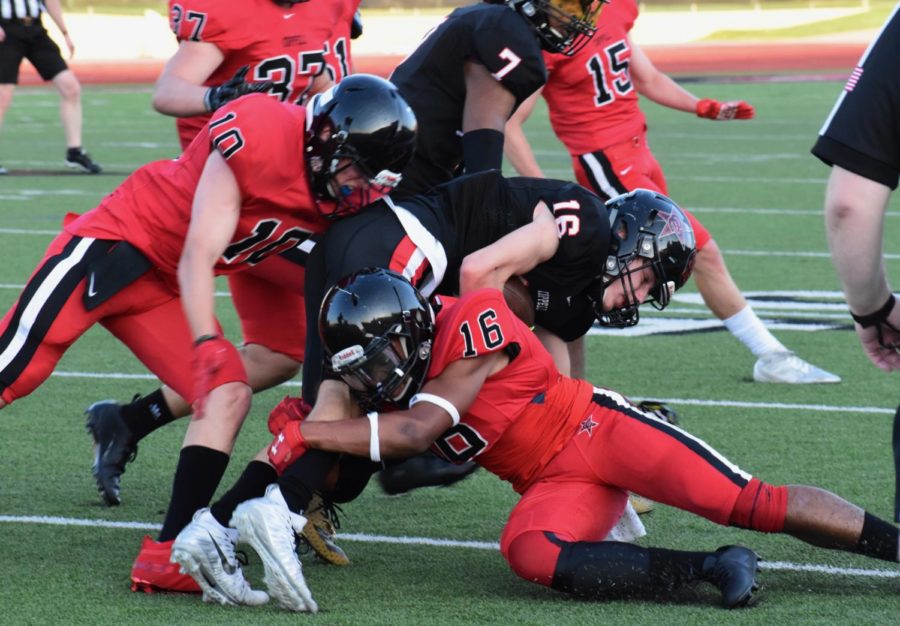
<point>593,103</point>
<point>261,140</point>
<point>523,414</point>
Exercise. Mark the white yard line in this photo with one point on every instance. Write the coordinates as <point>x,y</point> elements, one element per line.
<point>433,542</point>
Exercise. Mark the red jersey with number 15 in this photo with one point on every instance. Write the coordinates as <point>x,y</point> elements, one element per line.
<point>261,140</point>
<point>523,414</point>
<point>593,103</point>
<point>285,44</point>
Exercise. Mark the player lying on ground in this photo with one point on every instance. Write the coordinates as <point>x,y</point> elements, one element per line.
<point>560,249</point>
<point>479,385</point>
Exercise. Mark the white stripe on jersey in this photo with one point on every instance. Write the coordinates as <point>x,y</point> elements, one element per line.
<point>425,242</point>
<point>862,62</point>
<point>625,404</point>
<point>39,299</point>
<point>599,175</point>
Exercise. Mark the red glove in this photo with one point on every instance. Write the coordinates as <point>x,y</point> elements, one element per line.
<point>288,410</point>
<point>210,354</point>
<point>715,110</point>
<point>287,446</point>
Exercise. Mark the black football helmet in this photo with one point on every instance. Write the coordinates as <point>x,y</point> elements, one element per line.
<point>363,121</point>
<point>563,26</point>
<point>645,225</point>
<point>376,331</point>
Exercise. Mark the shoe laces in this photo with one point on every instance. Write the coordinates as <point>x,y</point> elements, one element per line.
<point>326,513</point>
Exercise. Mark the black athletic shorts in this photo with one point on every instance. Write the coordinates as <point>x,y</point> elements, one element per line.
<point>28,42</point>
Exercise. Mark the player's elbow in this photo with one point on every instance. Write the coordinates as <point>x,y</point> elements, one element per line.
<point>474,273</point>
<point>412,438</point>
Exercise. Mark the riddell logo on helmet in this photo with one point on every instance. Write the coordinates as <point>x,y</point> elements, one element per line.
<point>347,356</point>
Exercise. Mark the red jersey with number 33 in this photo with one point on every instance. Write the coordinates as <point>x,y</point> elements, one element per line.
<point>592,101</point>
<point>523,414</point>
<point>288,45</point>
<point>261,140</point>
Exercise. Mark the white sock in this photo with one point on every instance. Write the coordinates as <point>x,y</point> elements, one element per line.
<point>749,329</point>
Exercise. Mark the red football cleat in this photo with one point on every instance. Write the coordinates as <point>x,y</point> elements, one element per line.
<point>153,571</point>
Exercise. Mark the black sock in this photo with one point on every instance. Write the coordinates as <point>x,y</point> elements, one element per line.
<point>354,475</point>
<point>73,151</point>
<point>610,569</point>
<point>198,474</point>
<point>147,413</point>
<point>878,539</point>
<point>303,477</point>
<point>251,484</point>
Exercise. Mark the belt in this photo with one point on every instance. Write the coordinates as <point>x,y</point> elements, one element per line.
<point>24,21</point>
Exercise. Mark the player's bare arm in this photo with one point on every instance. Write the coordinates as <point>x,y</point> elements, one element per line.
<point>514,254</point>
<point>405,433</point>
<point>657,86</point>
<point>333,403</point>
<point>179,91</point>
<point>54,9</point>
<point>488,103</point>
<point>214,217</point>
<point>854,220</point>
<point>516,146</point>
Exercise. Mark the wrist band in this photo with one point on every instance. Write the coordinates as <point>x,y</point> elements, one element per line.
<point>439,401</point>
<point>374,445</point>
<point>203,338</point>
<point>876,318</point>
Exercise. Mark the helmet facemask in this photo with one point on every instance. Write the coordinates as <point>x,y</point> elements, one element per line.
<point>563,26</point>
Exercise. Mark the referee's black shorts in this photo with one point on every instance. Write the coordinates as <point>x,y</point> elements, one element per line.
<point>28,41</point>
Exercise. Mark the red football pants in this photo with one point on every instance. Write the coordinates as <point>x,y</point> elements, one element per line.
<point>49,316</point>
<point>582,492</point>
<point>623,167</point>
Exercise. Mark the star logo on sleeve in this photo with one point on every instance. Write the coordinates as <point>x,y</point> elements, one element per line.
<point>587,425</point>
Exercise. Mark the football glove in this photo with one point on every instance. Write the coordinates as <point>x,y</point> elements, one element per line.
<point>660,410</point>
<point>733,110</point>
<point>210,354</point>
<point>287,446</point>
<point>288,410</point>
<point>233,88</point>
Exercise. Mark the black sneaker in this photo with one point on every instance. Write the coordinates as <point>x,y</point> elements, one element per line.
<point>78,159</point>
<point>113,447</point>
<point>425,470</point>
<point>733,570</point>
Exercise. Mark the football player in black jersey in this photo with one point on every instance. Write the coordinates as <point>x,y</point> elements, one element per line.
<point>471,72</point>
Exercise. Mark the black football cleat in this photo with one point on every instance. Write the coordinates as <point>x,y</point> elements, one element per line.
<point>733,570</point>
<point>78,159</point>
<point>424,470</point>
<point>113,447</point>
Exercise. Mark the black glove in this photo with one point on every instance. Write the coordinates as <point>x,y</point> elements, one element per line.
<point>233,88</point>
<point>660,410</point>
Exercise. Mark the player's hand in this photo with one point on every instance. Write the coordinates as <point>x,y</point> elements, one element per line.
<point>233,88</point>
<point>2,34</point>
<point>211,352</point>
<point>288,410</point>
<point>287,447</point>
<point>881,340</point>
<point>733,110</point>
<point>70,45</point>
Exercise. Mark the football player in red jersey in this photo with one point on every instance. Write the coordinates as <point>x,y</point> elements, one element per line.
<point>261,177</point>
<point>593,103</point>
<point>287,49</point>
<point>480,386</point>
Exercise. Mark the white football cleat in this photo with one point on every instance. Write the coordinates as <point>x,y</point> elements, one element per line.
<point>787,367</point>
<point>269,526</point>
<point>205,550</point>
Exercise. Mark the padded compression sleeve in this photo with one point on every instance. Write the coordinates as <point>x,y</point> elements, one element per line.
<point>482,150</point>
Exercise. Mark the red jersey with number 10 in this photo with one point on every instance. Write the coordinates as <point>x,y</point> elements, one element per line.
<point>261,140</point>
<point>593,103</point>
<point>288,45</point>
<point>523,414</point>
